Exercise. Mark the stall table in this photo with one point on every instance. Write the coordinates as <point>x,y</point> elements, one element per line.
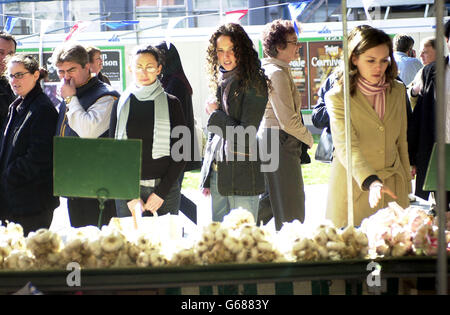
<point>135,278</point>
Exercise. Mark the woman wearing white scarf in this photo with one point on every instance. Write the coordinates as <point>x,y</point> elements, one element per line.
<point>144,111</point>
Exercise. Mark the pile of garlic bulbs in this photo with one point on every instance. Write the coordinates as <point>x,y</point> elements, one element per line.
<point>46,247</point>
<point>145,252</point>
<point>13,248</point>
<point>236,239</point>
<point>80,246</point>
<point>324,242</point>
<point>393,231</point>
<point>426,238</point>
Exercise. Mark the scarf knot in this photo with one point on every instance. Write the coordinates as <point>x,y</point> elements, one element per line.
<point>225,80</point>
<point>378,91</point>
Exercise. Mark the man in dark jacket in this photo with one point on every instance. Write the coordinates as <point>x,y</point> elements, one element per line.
<point>85,112</point>
<point>422,133</point>
<point>7,47</point>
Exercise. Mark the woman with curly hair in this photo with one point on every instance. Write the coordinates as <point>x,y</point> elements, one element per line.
<point>282,127</point>
<point>231,170</point>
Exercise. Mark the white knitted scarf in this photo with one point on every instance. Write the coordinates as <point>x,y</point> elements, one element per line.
<point>161,126</point>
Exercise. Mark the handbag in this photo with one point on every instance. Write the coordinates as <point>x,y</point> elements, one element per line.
<point>324,151</point>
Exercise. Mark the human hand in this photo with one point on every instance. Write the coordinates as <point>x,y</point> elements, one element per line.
<point>375,191</point>
<point>206,192</point>
<point>211,105</point>
<point>154,202</point>
<point>416,87</point>
<point>68,88</point>
<point>132,204</point>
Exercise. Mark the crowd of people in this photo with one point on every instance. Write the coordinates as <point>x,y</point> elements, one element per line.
<point>256,136</point>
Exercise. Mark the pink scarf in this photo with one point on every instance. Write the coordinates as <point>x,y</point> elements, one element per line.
<point>378,91</point>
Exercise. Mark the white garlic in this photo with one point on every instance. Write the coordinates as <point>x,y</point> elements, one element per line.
<point>335,246</point>
<point>112,241</point>
<point>143,260</point>
<point>238,217</point>
<point>321,237</point>
<point>332,234</point>
<point>232,244</point>
<point>247,240</point>
<point>264,246</point>
<point>221,234</point>
<point>19,260</point>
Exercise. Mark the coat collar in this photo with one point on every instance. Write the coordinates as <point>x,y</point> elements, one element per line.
<point>275,61</point>
<point>93,80</point>
<point>22,105</point>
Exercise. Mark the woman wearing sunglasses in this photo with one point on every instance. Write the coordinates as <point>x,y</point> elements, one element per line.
<point>26,151</point>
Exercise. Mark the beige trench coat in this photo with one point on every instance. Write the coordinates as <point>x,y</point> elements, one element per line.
<point>378,148</point>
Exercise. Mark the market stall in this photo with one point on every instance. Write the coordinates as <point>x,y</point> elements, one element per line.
<point>394,243</point>
<point>122,279</point>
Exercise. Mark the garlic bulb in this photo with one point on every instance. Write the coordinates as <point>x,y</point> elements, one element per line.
<point>19,260</point>
<point>46,246</point>
<point>77,246</point>
<point>238,217</point>
<point>391,230</point>
<point>237,239</point>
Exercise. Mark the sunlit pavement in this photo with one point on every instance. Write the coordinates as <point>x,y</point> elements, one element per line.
<point>315,209</point>
<point>316,198</point>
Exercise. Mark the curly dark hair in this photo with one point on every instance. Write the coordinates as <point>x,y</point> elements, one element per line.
<point>275,35</point>
<point>249,71</point>
<point>361,39</point>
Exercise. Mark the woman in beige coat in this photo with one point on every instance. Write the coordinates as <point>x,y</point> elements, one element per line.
<point>380,162</point>
<point>282,132</point>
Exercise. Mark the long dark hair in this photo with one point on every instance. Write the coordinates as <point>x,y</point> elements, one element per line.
<point>173,66</point>
<point>249,71</point>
